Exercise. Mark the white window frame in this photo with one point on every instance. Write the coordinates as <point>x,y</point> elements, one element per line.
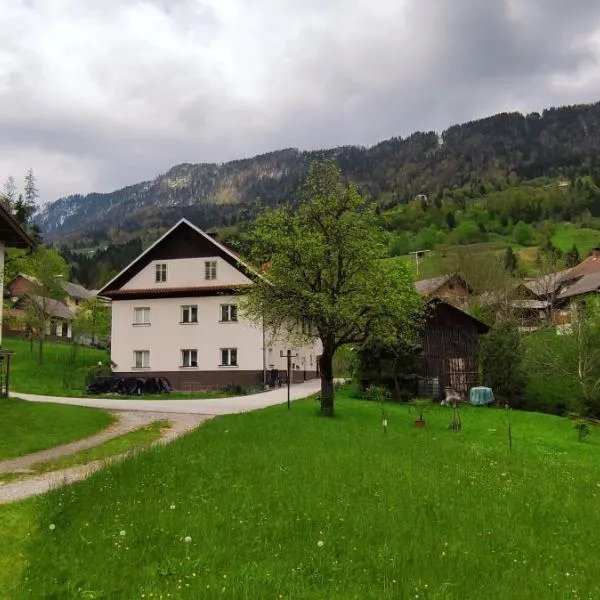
<point>160,273</point>
<point>189,358</point>
<point>229,313</point>
<point>227,354</point>
<point>210,270</point>
<point>188,309</point>
<point>145,312</point>
<point>144,356</point>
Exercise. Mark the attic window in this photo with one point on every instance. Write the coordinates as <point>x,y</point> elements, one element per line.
<point>210,269</point>
<point>161,273</point>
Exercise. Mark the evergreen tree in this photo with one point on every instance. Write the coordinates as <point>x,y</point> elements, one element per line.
<point>450,220</point>
<point>9,193</point>
<point>572,257</point>
<point>510,260</point>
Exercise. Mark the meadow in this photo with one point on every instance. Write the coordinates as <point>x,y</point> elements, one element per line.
<point>284,504</point>
<point>26,427</point>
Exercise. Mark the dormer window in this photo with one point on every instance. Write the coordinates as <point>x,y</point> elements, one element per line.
<point>161,272</point>
<point>210,270</point>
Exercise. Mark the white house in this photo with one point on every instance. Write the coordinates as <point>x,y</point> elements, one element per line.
<point>175,315</point>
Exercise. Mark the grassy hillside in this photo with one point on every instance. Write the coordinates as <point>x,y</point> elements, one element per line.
<point>283,504</point>
<point>570,234</point>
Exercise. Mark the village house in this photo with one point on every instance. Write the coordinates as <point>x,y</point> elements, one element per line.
<point>60,313</point>
<point>451,288</point>
<point>12,235</point>
<point>175,314</point>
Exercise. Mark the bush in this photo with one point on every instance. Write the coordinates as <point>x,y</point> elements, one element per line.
<point>501,354</point>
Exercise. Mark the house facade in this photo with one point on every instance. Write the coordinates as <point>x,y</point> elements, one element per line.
<point>176,314</point>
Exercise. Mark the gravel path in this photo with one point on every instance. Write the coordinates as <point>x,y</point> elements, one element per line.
<point>128,421</point>
<point>184,416</point>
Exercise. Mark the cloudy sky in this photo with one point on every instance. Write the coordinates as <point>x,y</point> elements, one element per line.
<point>97,94</point>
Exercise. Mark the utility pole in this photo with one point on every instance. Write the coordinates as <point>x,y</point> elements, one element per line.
<point>289,356</point>
<point>419,254</point>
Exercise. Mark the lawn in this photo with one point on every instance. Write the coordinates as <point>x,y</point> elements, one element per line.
<point>58,376</point>
<point>568,234</point>
<point>284,504</point>
<point>27,427</point>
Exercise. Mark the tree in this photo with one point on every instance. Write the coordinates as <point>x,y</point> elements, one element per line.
<point>323,265</point>
<point>575,357</point>
<point>46,269</point>
<point>9,192</point>
<point>450,220</point>
<point>24,206</point>
<point>523,234</point>
<point>572,257</point>
<point>501,354</point>
<point>92,321</point>
<point>510,260</point>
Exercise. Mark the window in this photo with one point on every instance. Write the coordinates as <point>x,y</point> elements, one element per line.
<point>306,326</point>
<point>229,357</point>
<point>161,272</point>
<point>189,358</point>
<point>141,359</point>
<point>228,313</point>
<point>189,314</point>
<point>210,269</point>
<point>141,315</point>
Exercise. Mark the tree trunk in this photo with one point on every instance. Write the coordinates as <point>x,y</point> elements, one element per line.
<point>327,391</point>
<point>40,350</point>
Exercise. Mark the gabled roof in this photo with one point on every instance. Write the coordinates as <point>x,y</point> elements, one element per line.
<point>11,232</point>
<point>585,285</point>
<point>588,266</point>
<point>550,283</point>
<point>428,287</point>
<point>53,308</point>
<point>145,257</point>
<point>74,290</point>
<point>447,307</point>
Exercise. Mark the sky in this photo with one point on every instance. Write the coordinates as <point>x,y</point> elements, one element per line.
<point>99,94</point>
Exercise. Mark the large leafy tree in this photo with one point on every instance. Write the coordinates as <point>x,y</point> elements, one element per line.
<point>322,265</point>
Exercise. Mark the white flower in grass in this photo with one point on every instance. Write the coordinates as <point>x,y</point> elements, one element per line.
<point>52,527</point>
<point>122,532</point>
<point>320,543</point>
<point>172,507</point>
<point>187,539</point>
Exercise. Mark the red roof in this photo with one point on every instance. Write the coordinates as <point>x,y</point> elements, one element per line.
<point>180,291</point>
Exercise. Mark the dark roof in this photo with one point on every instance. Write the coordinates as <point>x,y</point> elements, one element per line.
<point>585,285</point>
<point>183,240</point>
<point>447,307</point>
<point>11,232</point>
<point>76,291</point>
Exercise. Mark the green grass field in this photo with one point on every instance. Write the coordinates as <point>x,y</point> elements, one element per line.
<point>27,427</point>
<point>284,504</point>
<point>57,376</point>
<point>568,234</point>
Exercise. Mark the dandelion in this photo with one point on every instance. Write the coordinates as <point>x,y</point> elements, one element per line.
<point>122,532</point>
<point>320,543</point>
<point>187,539</point>
<point>172,507</point>
<point>52,527</point>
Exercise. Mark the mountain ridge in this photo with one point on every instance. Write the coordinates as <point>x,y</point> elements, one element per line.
<point>559,141</point>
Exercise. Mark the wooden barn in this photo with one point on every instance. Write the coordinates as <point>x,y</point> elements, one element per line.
<point>448,359</point>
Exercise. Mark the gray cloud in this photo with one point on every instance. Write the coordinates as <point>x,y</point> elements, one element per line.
<point>94,96</point>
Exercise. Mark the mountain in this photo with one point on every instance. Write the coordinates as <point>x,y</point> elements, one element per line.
<point>560,141</point>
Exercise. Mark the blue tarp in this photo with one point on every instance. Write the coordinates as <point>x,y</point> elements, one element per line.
<point>480,396</point>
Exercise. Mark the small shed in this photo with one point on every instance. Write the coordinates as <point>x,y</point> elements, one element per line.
<point>449,350</point>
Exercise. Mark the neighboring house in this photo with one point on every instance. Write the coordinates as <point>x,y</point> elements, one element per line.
<point>175,314</point>
<point>452,288</point>
<point>449,350</point>
<point>12,235</point>
<point>61,313</point>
